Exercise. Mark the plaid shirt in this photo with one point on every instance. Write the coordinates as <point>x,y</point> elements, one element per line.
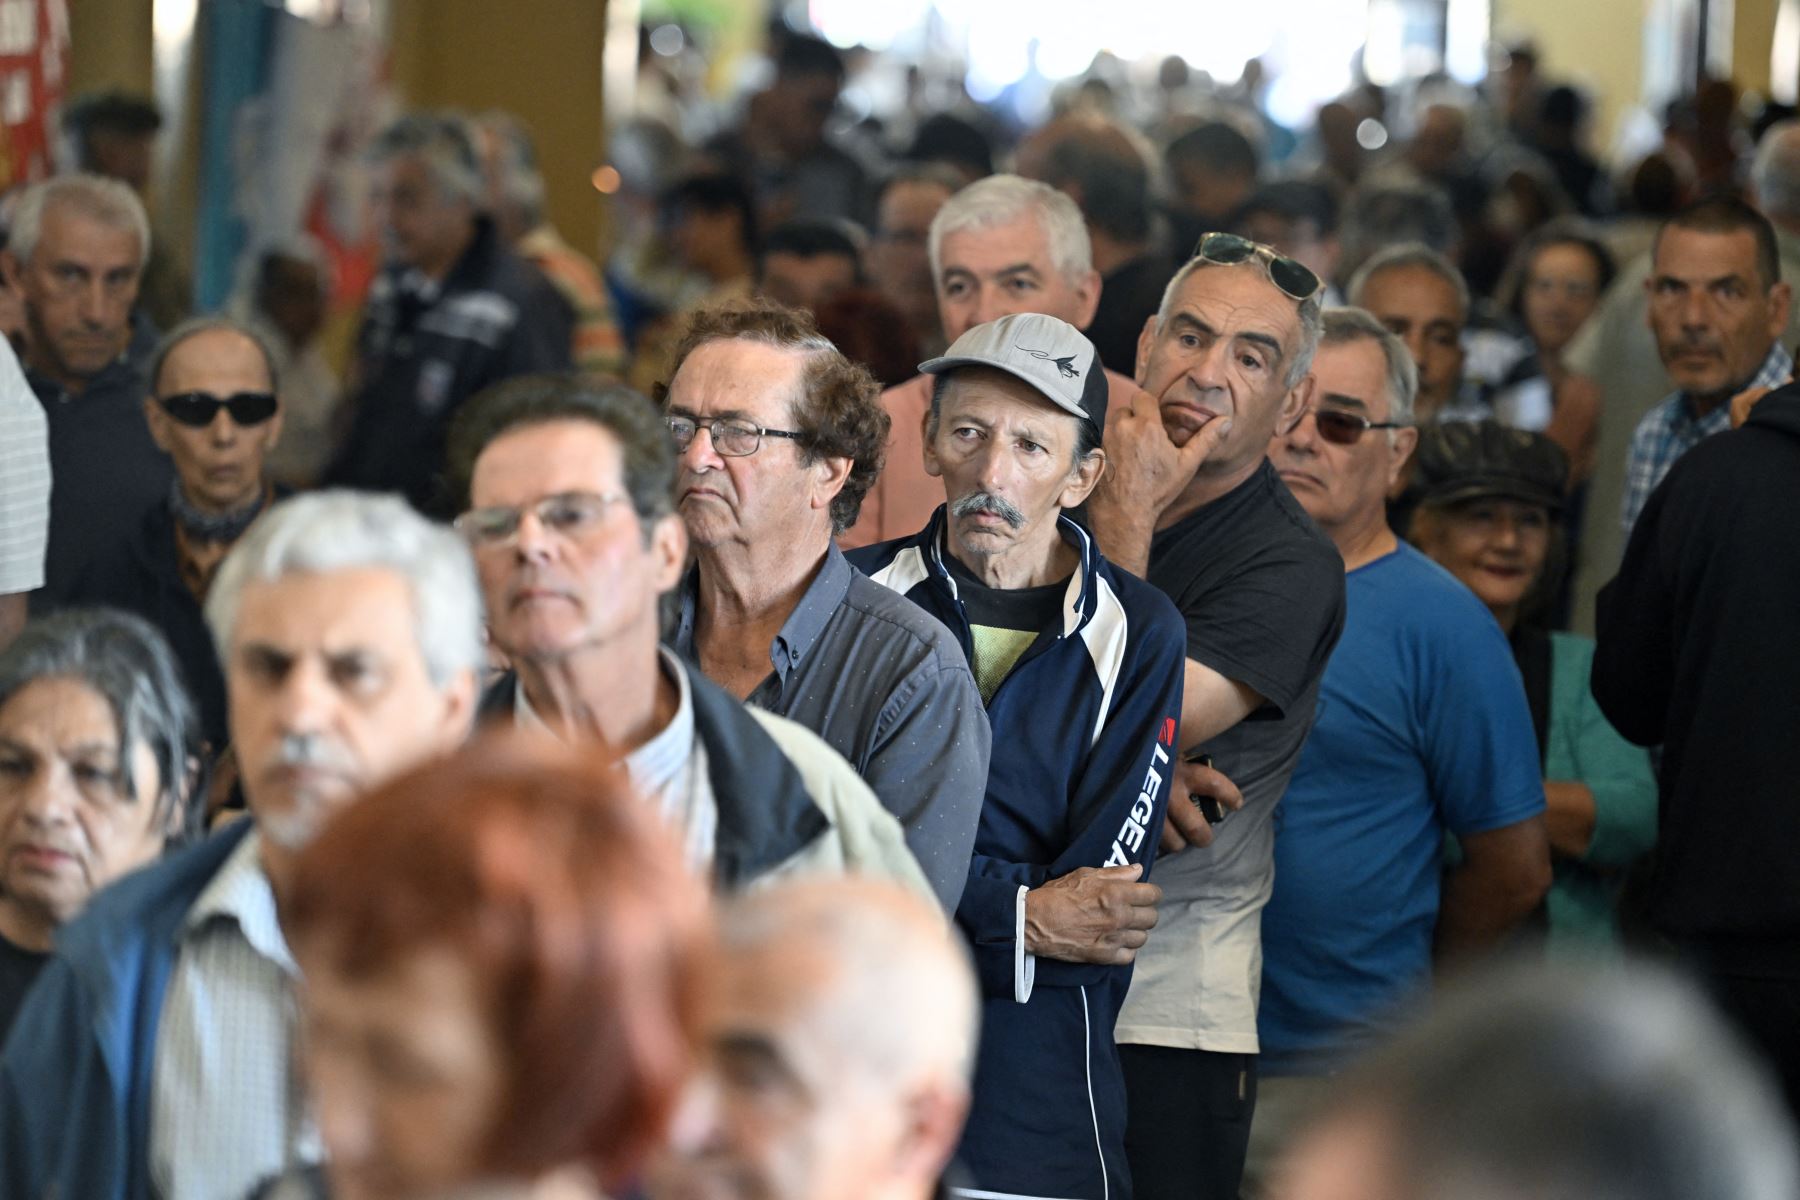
<point>1671,429</point>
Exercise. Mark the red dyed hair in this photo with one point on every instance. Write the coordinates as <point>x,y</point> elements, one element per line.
<point>569,903</point>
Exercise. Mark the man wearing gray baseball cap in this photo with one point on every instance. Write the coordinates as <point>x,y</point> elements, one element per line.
<point>1080,665</point>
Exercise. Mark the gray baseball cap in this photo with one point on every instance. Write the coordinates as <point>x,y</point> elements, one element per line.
<point>1049,354</point>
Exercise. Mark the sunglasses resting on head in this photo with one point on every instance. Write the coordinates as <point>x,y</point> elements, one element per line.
<point>1228,250</point>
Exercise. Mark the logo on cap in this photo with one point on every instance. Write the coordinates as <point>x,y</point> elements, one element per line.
<point>1064,365</point>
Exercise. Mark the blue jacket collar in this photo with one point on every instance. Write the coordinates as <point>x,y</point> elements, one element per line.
<point>1078,602</point>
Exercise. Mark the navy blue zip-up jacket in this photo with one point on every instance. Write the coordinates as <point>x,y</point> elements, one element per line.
<point>1084,736</point>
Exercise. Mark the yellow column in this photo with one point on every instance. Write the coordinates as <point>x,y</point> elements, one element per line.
<point>1598,44</point>
<point>109,46</point>
<point>542,64</point>
<point>1752,37</point>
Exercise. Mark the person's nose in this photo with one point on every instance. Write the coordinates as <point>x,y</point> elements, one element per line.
<point>94,306</point>
<point>1506,533</point>
<point>1303,438</point>
<point>1696,311</point>
<point>993,468</point>
<point>990,305</point>
<point>1207,369</point>
<point>533,542</point>
<point>223,431</point>
<point>306,702</point>
<point>701,455</point>
<point>48,799</point>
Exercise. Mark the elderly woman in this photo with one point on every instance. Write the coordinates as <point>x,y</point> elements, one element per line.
<point>500,954</point>
<point>98,748</point>
<point>1491,496</point>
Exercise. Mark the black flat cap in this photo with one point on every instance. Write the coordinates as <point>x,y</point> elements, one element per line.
<point>1468,460</point>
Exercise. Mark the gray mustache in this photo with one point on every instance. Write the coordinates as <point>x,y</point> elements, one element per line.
<point>311,750</point>
<point>987,502</point>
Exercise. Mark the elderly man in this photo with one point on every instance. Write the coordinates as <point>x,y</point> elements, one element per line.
<point>778,437</point>
<point>1192,502</point>
<point>836,1050</point>
<point>899,264</point>
<point>75,251</point>
<point>1423,730</point>
<point>1080,665</point>
<point>1002,245</point>
<point>452,312</point>
<point>576,542</point>
<point>1718,306</point>
<point>154,1054</point>
<point>212,408</point>
<point>1422,297</point>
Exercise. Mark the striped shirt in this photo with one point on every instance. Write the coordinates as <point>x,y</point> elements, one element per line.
<point>227,1109</point>
<point>1671,429</point>
<point>24,480</point>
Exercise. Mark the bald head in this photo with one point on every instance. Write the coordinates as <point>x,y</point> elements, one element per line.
<point>839,1041</point>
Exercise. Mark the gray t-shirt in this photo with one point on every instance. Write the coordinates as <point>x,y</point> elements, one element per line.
<point>886,685</point>
<point>1262,591</point>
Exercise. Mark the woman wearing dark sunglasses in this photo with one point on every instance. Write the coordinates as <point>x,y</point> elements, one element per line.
<point>1490,516</point>
<point>213,411</point>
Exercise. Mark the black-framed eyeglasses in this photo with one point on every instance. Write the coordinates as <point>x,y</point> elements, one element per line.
<point>730,437</point>
<point>566,514</point>
<point>200,409</point>
<point>1290,275</point>
<point>1342,428</point>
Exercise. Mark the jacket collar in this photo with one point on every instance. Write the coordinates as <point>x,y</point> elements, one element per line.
<point>1079,601</point>
<point>766,815</point>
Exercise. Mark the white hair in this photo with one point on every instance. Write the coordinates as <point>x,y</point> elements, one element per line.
<point>344,530</point>
<point>1003,199</point>
<point>1775,172</point>
<point>443,143</point>
<point>1343,325</point>
<point>1411,254</point>
<point>96,197</point>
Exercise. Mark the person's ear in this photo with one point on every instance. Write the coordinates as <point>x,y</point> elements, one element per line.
<point>829,476</point>
<point>1087,299</point>
<point>460,699</point>
<point>668,551</point>
<point>931,1122</point>
<point>1083,479</point>
<point>11,269</point>
<point>158,420</point>
<point>1299,398</point>
<point>1781,299</point>
<point>1405,442</point>
<point>1146,340</point>
<point>272,428</point>
<point>933,467</point>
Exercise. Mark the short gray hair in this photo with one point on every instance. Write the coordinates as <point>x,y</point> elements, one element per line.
<point>1410,254</point>
<point>194,327</point>
<point>1775,172</point>
<point>1344,325</point>
<point>96,197</point>
<point>1003,199</point>
<point>1308,311</point>
<point>127,663</point>
<point>442,142</point>
<point>344,530</point>
<point>515,161</point>
<point>1616,1083</point>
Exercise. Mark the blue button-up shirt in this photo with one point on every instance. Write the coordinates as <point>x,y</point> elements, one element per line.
<point>1672,428</point>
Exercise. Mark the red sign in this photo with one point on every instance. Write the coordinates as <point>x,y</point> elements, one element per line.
<point>34,59</point>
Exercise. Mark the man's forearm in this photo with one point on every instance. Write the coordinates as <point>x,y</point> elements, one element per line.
<point>1482,903</point>
<point>12,617</point>
<point>1124,536</point>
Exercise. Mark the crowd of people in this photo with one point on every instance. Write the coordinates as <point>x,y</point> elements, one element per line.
<point>917,680</point>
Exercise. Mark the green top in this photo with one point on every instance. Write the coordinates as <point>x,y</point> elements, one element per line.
<point>1584,748</point>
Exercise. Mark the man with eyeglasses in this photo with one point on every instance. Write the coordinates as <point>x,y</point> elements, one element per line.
<point>75,254</point>
<point>212,409</point>
<point>777,437</point>
<point>571,518</point>
<point>1202,515</point>
<point>1080,667</point>
<point>1423,729</point>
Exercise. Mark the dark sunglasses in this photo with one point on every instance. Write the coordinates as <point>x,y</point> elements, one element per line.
<point>1346,428</point>
<point>1228,250</point>
<point>200,409</point>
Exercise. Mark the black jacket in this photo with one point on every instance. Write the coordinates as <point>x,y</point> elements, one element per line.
<point>1699,649</point>
<point>424,350</point>
<point>766,815</point>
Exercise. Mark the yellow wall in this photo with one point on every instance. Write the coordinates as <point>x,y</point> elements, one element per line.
<point>1598,44</point>
<point>540,61</point>
<point>109,45</point>
<point>1753,30</point>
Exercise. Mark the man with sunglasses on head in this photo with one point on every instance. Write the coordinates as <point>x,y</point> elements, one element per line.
<point>777,436</point>
<point>75,254</point>
<point>212,410</point>
<point>1423,729</point>
<point>1191,503</point>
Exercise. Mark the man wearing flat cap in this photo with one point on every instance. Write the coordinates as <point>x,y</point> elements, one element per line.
<point>1422,729</point>
<point>1080,666</point>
